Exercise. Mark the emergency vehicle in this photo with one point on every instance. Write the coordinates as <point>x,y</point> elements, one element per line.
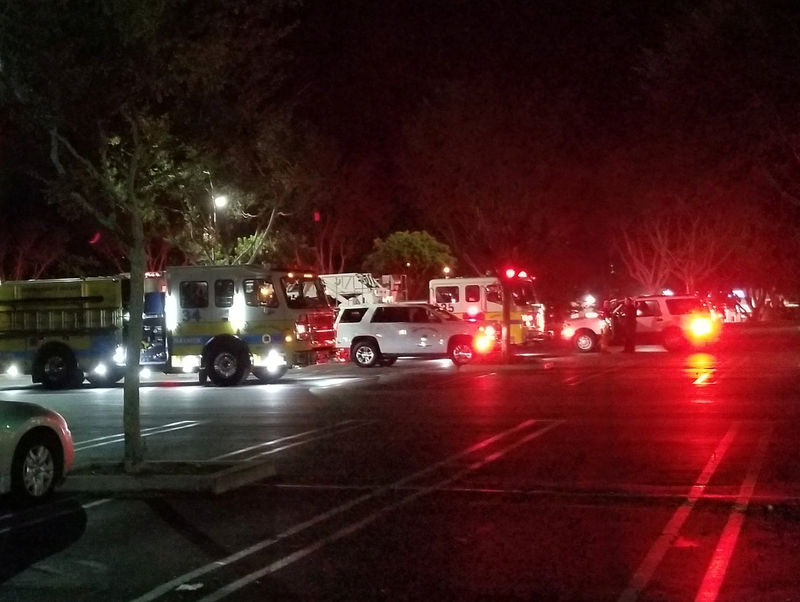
<point>480,299</point>
<point>228,320</point>
<point>61,331</point>
<point>354,288</point>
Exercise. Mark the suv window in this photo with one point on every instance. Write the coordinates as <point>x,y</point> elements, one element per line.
<point>684,306</point>
<point>391,314</point>
<point>646,309</point>
<point>352,316</point>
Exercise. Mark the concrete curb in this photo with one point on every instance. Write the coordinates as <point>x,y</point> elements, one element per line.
<point>165,477</point>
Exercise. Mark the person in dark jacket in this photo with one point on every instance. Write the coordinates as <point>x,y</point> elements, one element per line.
<point>629,325</point>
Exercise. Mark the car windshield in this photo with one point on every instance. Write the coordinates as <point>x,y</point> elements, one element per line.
<point>304,293</point>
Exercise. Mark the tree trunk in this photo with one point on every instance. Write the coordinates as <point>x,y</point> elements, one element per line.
<point>134,446</point>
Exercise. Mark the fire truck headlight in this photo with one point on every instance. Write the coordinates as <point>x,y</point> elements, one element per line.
<point>171,312</point>
<point>119,355</point>
<point>145,373</point>
<point>189,363</point>
<point>100,369</point>
<point>567,332</point>
<point>12,370</point>
<point>274,361</point>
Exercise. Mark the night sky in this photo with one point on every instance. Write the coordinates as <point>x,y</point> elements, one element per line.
<point>366,73</point>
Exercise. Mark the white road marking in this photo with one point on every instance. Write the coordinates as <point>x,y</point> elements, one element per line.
<point>120,437</point>
<point>653,558</point>
<point>370,518</point>
<point>715,574</point>
<point>329,431</point>
<point>301,527</point>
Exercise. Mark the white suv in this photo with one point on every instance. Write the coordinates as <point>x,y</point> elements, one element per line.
<point>674,321</point>
<point>380,333</point>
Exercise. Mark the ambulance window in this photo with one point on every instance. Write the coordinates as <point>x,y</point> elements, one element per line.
<point>446,294</point>
<point>223,293</point>
<point>194,294</point>
<point>472,293</point>
<point>494,294</point>
<point>259,293</point>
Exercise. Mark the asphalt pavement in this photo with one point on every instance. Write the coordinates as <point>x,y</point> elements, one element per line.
<point>650,476</point>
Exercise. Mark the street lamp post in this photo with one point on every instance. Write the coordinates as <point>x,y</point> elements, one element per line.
<point>220,202</point>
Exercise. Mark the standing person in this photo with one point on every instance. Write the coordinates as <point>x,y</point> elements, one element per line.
<point>606,335</point>
<point>629,325</point>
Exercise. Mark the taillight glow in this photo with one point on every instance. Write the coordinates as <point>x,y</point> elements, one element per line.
<point>483,343</point>
<point>701,327</point>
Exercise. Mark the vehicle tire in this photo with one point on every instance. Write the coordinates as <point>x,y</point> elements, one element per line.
<point>388,361</point>
<point>365,353</point>
<point>59,369</point>
<point>461,351</point>
<point>585,341</point>
<point>36,467</point>
<point>266,377</point>
<point>673,340</point>
<point>227,364</point>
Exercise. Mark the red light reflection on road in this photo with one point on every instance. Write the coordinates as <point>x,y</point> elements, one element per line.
<point>702,370</point>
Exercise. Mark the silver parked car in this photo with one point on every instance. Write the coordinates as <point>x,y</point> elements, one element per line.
<point>36,450</point>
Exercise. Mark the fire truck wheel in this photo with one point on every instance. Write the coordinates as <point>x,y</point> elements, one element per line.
<point>365,353</point>
<point>228,365</point>
<point>58,368</point>
<point>461,351</point>
<point>266,377</point>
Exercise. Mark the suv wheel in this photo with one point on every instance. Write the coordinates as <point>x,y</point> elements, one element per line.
<point>585,341</point>
<point>365,354</point>
<point>461,352</point>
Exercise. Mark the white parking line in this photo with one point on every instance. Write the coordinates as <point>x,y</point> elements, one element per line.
<point>715,574</point>
<point>167,587</point>
<point>370,518</point>
<point>648,566</point>
<point>120,437</point>
<point>338,428</point>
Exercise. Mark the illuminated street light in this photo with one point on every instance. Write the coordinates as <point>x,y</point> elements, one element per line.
<point>446,271</point>
<point>221,201</point>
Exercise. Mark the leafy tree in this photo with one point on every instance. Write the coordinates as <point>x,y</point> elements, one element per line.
<point>723,94</point>
<point>497,173</point>
<point>104,86</point>
<point>417,256</point>
<point>344,203</point>
<point>29,250</point>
